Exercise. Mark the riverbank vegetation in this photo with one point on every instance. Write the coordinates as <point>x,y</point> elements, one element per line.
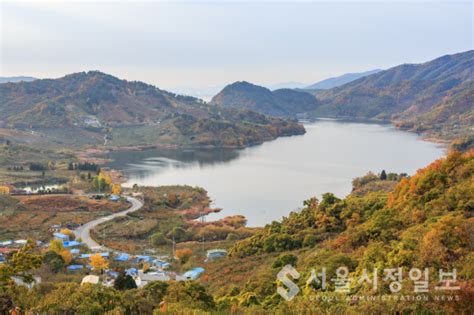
<point>169,213</point>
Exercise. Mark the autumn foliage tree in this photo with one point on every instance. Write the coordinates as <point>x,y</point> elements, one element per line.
<point>183,255</point>
<point>98,262</point>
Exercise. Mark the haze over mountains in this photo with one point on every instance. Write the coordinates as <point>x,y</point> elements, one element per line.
<point>339,80</point>
<point>16,79</point>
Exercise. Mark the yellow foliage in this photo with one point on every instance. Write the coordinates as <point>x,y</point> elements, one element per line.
<point>116,189</point>
<point>69,233</point>
<point>66,255</point>
<point>99,262</point>
<point>56,246</point>
<point>105,177</point>
<point>4,190</point>
<point>184,254</point>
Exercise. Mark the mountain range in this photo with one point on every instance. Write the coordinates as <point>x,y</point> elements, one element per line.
<point>434,97</point>
<point>339,80</point>
<point>281,102</point>
<point>84,108</point>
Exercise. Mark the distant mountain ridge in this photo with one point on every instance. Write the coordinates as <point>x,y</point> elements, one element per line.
<point>98,105</point>
<point>281,102</point>
<point>339,80</point>
<point>16,79</point>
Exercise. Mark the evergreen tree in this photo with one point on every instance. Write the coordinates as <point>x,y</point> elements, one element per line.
<point>124,282</point>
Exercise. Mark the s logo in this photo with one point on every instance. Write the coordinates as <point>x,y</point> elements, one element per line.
<point>292,287</point>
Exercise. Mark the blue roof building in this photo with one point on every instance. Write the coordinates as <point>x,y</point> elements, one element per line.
<point>216,253</point>
<point>71,243</point>
<point>122,257</point>
<point>61,236</point>
<point>131,272</point>
<point>144,258</point>
<point>114,198</point>
<point>194,273</point>
<point>161,264</point>
<point>75,267</point>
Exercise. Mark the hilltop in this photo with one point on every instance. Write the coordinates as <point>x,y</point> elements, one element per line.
<point>94,108</point>
<point>281,102</point>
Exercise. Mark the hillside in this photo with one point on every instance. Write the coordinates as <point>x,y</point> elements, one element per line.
<point>282,102</point>
<point>339,80</point>
<point>426,221</point>
<point>435,96</point>
<point>89,107</point>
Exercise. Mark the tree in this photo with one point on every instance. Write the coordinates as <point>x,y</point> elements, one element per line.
<point>54,261</point>
<point>284,260</point>
<point>56,246</point>
<point>158,239</point>
<point>383,175</point>
<point>19,265</point>
<point>66,255</point>
<point>178,233</point>
<point>99,262</point>
<point>183,254</point>
<point>124,282</point>
<point>116,189</point>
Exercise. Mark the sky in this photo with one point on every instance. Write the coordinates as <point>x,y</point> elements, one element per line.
<point>201,46</point>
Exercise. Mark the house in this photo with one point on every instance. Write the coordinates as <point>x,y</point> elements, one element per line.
<point>68,244</point>
<point>131,272</point>
<point>143,278</point>
<point>55,228</point>
<point>6,243</point>
<point>75,267</point>
<point>122,257</point>
<point>114,198</point>
<point>215,254</point>
<point>75,251</point>
<point>161,264</point>
<point>91,279</point>
<point>20,242</point>
<point>144,258</point>
<point>193,274</point>
<point>86,256</point>
<point>61,236</point>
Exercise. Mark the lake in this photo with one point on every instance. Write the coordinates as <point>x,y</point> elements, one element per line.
<point>267,181</point>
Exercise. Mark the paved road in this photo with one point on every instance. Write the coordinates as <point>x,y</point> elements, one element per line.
<point>83,232</point>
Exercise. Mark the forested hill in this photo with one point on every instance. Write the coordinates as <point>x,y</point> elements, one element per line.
<point>89,106</point>
<point>436,96</point>
<point>281,102</point>
<point>426,221</point>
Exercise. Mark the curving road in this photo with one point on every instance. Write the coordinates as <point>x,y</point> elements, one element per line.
<point>83,232</point>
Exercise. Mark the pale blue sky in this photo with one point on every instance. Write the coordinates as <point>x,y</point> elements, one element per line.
<point>202,44</point>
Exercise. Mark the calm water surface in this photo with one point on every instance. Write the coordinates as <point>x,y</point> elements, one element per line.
<point>266,182</point>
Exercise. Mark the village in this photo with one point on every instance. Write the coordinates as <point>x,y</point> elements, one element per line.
<point>104,267</point>
<point>73,251</point>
